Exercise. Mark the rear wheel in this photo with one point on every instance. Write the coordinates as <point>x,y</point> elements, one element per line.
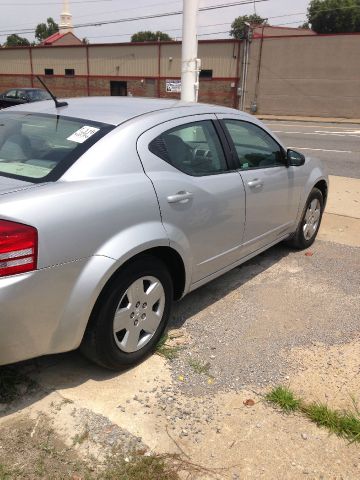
<point>309,225</point>
<point>131,315</point>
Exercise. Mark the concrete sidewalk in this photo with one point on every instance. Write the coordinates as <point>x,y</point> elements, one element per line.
<point>341,221</point>
<point>293,118</point>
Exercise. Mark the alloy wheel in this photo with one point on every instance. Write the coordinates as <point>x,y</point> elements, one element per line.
<point>139,314</point>
<point>312,218</point>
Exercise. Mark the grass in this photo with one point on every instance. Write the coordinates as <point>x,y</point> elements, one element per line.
<point>45,456</point>
<point>4,473</point>
<point>10,382</point>
<point>284,398</point>
<point>198,367</point>
<point>344,424</point>
<point>81,438</point>
<point>154,467</point>
<point>167,351</point>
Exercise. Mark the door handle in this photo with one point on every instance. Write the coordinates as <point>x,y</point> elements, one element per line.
<point>255,183</point>
<point>180,197</point>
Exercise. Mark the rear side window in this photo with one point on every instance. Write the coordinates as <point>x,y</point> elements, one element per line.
<point>38,147</point>
<point>36,95</point>
<point>194,149</point>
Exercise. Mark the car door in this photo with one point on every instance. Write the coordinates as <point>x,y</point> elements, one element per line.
<point>272,188</point>
<point>22,97</point>
<point>202,200</point>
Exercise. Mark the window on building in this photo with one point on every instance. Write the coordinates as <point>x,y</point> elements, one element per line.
<point>206,73</point>
<point>70,72</point>
<point>49,71</point>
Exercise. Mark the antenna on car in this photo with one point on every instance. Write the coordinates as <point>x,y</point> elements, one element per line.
<point>57,103</point>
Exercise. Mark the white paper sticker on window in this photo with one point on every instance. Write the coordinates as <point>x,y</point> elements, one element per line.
<point>81,135</point>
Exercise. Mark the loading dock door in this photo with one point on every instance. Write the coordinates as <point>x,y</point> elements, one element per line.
<point>118,89</point>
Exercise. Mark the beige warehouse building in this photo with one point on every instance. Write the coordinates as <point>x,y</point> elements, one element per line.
<point>287,73</point>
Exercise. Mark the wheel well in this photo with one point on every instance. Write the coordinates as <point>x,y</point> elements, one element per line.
<point>322,186</point>
<point>175,265</point>
<point>169,257</point>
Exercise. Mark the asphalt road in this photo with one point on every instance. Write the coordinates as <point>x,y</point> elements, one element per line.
<point>338,145</point>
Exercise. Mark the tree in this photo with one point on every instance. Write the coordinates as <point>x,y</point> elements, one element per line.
<point>238,26</point>
<point>15,41</point>
<point>45,30</point>
<point>304,26</point>
<point>149,36</point>
<point>334,16</point>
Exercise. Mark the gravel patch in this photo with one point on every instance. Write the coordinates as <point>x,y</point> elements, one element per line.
<point>102,431</point>
<point>243,324</point>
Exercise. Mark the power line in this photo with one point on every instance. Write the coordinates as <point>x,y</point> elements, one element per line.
<point>169,14</point>
<point>132,8</point>
<point>213,7</point>
<point>200,26</point>
<point>26,25</point>
<point>146,17</point>
<point>46,4</point>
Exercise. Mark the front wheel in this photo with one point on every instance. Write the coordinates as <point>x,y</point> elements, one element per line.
<point>310,221</point>
<point>131,315</point>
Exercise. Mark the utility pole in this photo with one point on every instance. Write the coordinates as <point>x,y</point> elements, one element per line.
<point>190,64</point>
<point>245,64</point>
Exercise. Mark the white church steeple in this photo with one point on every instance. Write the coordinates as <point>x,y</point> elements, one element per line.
<point>66,19</point>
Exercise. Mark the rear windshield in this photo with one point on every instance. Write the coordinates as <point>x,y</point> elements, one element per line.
<point>41,147</point>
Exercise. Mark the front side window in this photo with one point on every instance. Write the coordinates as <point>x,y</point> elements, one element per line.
<point>194,149</point>
<point>11,94</point>
<point>37,147</point>
<point>254,147</point>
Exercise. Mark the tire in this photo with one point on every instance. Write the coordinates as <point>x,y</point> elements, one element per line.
<point>141,297</point>
<point>309,224</point>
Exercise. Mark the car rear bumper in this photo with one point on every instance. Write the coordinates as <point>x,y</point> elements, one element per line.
<point>46,311</point>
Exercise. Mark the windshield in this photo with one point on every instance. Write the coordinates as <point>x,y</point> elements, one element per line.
<point>38,147</point>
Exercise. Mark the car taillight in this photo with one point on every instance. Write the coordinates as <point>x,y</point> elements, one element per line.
<point>18,248</point>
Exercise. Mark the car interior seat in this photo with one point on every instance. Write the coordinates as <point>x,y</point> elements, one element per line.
<point>16,147</point>
<point>179,153</point>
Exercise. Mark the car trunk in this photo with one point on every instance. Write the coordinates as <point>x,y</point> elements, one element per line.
<point>8,185</point>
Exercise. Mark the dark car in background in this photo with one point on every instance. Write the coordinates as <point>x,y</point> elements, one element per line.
<point>18,96</point>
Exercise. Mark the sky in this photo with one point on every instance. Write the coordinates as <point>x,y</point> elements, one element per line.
<point>17,15</point>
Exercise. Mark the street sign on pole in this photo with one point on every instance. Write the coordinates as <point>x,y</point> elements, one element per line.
<point>173,86</point>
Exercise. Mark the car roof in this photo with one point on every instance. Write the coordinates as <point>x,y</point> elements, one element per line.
<point>116,110</point>
<point>25,88</point>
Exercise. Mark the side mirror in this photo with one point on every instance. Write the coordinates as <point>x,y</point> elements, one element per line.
<point>295,159</point>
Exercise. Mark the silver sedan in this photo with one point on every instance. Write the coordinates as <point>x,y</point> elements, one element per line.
<point>111,208</point>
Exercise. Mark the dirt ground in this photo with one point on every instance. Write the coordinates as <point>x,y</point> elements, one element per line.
<point>283,318</point>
